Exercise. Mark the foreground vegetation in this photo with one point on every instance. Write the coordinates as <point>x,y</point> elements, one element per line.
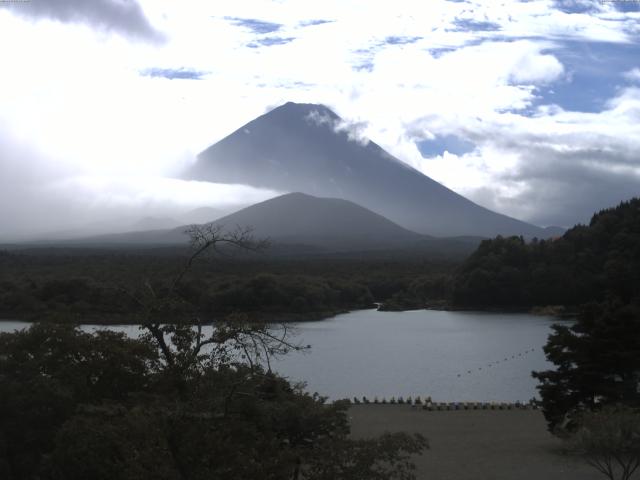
<point>174,403</point>
<point>75,405</point>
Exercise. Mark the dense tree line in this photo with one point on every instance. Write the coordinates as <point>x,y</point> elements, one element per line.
<point>588,263</point>
<point>423,291</point>
<point>86,286</point>
<point>77,298</point>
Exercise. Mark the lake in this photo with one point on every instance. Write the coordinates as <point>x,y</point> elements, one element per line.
<point>450,356</point>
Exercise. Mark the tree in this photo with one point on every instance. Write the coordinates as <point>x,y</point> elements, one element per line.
<point>175,403</point>
<point>609,440</point>
<point>47,372</point>
<point>597,363</point>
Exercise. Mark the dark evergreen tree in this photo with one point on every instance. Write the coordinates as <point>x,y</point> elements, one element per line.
<point>597,363</point>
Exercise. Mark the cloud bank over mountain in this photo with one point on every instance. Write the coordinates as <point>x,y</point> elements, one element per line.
<point>528,108</point>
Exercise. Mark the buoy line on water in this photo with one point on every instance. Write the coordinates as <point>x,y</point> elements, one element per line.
<point>515,356</point>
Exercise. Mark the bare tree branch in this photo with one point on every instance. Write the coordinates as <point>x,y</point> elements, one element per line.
<point>235,333</point>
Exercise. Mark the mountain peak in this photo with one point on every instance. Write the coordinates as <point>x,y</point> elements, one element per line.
<point>302,110</point>
<point>302,147</point>
<point>296,196</point>
<point>300,218</point>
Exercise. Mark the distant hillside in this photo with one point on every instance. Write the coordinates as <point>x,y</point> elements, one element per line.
<point>197,215</point>
<point>300,224</point>
<point>296,218</point>
<point>203,215</point>
<point>588,263</point>
<point>303,147</point>
<point>154,223</point>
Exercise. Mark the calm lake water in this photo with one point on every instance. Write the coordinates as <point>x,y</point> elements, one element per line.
<point>450,356</point>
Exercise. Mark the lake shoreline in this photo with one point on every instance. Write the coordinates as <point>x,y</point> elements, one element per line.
<point>449,356</point>
<point>560,311</point>
<point>121,319</point>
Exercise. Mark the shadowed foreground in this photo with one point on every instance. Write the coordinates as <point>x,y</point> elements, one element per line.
<point>476,444</point>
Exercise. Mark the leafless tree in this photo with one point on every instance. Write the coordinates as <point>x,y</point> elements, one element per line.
<point>609,441</point>
<point>182,342</point>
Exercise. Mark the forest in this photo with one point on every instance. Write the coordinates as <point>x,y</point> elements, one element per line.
<point>588,263</point>
<point>94,285</point>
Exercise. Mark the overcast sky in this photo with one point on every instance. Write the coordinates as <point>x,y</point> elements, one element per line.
<point>528,108</point>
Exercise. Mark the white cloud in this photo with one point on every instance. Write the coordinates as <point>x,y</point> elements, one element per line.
<point>77,93</point>
<point>536,68</point>
<point>633,75</point>
<point>557,165</point>
<point>355,130</point>
<point>146,192</point>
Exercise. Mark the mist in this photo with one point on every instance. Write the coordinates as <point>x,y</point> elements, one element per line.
<point>45,199</point>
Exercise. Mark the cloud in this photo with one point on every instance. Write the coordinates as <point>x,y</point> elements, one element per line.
<point>181,73</point>
<point>318,118</point>
<point>548,83</point>
<point>256,26</point>
<point>536,68</point>
<point>556,167</point>
<point>121,16</point>
<point>633,75</point>
<point>270,41</point>
<point>577,6</point>
<point>311,23</point>
<point>475,25</point>
<point>398,40</point>
<point>449,143</point>
<point>40,197</point>
<point>24,171</point>
<point>158,193</point>
<point>355,130</point>
<point>563,189</point>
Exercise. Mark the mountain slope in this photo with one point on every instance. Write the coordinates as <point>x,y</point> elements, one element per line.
<point>154,223</point>
<point>296,219</point>
<point>301,147</point>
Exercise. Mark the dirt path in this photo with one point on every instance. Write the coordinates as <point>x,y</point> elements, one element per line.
<point>476,444</point>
